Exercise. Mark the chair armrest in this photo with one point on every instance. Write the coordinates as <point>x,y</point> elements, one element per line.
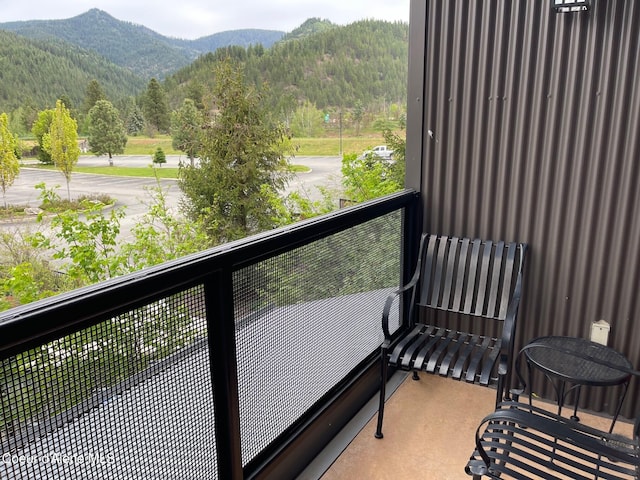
<point>509,327</point>
<point>508,334</point>
<point>389,302</point>
<point>412,283</point>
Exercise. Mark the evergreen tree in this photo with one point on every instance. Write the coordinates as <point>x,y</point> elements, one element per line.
<point>93,94</point>
<point>106,131</point>
<point>66,101</point>
<point>195,92</point>
<point>9,165</point>
<point>358,115</point>
<point>29,114</point>
<point>159,157</point>
<point>155,107</point>
<point>135,121</point>
<point>61,142</point>
<point>186,125</point>
<point>243,162</point>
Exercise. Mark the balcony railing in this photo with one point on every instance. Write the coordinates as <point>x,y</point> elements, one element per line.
<point>224,364</point>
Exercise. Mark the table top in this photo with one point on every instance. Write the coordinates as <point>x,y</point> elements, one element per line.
<point>577,369</point>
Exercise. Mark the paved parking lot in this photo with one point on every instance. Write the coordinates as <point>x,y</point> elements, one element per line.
<point>132,192</point>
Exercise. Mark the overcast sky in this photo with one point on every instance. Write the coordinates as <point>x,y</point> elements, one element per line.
<point>198,18</point>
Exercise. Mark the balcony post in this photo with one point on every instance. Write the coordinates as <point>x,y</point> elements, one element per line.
<point>222,363</point>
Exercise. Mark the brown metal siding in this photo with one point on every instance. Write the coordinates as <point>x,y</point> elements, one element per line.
<point>530,132</point>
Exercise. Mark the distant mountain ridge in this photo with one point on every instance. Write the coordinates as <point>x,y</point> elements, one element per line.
<point>334,67</point>
<point>135,47</point>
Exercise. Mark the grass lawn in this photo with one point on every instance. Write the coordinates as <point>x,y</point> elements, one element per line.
<point>162,172</point>
<point>325,146</point>
<point>158,172</point>
<point>148,145</point>
<point>165,172</point>
<point>306,146</point>
<point>330,146</point>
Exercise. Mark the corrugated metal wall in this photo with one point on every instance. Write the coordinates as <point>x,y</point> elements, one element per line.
<point>531,132</point>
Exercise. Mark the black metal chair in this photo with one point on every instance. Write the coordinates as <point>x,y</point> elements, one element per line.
<point>480,280</point>
<point>520,440</point>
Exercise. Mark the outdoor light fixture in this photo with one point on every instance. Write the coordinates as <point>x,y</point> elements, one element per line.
<point>566,6</point>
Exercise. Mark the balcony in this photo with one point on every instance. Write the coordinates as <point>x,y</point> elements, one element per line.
<point>239,362</point>
<point>258,359</point>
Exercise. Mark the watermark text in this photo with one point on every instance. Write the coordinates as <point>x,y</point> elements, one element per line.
<point>55,458</point>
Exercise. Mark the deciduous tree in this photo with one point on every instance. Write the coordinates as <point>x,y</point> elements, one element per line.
<point>40,129</point>
<point>88,241</point>
<point>368,177</point>
<point>62,142</point>
<point>9,165</point>
<point>307,120</point>
<point>106,130</point>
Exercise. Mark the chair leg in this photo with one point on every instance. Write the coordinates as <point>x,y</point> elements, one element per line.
<point>506,385</point>
<point>504,381</point>
<point>383,385</point>
<point>499,392</point>
<point>415,376</point>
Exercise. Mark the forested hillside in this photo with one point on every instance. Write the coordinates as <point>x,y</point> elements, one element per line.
<point>135,47</point>
<point>359,69</point>
<point>242,38</point>
<point>38,72</point>
<point>309,27</point>
<point>362,63</point>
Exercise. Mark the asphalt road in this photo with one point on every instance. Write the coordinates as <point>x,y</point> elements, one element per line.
<point>132,192</point>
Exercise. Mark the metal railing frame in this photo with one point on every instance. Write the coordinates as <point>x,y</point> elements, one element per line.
<point>37,323</point>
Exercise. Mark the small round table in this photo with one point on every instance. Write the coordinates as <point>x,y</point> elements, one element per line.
<point>579,362</point>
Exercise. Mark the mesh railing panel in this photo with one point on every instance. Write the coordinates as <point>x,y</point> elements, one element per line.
<point>305,319</point>
<point>128,398</point>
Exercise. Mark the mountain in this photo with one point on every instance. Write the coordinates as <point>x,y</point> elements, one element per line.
<point>334,67</point>
<point>241,38</point>
<point>40,71</point>
<point>135,47</point>
<point>309,27</point>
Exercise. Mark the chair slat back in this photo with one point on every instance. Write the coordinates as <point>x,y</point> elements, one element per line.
<point>472,277</point>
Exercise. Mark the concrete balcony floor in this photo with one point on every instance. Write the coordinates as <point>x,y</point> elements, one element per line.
<point>429,430</point>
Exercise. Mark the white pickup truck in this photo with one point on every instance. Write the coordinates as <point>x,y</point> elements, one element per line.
<point>381,151</point>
